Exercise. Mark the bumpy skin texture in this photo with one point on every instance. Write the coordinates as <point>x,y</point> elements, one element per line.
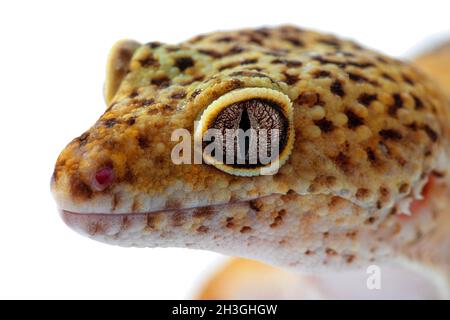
<point>369,132</point>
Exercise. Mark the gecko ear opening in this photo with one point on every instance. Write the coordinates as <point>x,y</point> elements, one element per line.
<point>117,66</point>
<point>247,132</point>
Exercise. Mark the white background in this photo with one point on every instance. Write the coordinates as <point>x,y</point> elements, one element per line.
<point>52,58</point>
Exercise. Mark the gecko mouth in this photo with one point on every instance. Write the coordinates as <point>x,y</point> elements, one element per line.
<point>111,224</point>
<point>94,224</point>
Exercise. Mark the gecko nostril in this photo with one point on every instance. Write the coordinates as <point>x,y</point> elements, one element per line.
<point>103,178</point>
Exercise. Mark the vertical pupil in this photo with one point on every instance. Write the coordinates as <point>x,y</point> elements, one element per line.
<point>244,124</point>
<point>245,121</point>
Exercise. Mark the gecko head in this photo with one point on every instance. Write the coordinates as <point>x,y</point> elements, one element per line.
<point>350,151</point>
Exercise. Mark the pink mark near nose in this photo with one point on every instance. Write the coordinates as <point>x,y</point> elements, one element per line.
<point>103,178</point>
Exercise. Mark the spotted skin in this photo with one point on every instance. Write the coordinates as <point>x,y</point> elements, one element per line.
<point>369,132</point>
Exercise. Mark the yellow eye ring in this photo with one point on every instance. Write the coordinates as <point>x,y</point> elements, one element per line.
<point>275,102</point>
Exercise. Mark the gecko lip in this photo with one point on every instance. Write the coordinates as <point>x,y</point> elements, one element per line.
<point>92,224</point>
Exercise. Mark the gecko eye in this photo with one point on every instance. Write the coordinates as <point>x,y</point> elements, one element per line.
<point>103,178</point>
<point>247,132</point>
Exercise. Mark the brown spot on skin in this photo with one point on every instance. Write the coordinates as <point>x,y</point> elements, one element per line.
<point>211,53</point>
<point>154,44</point>
<point>143,142</point>
<point>351,234</point>
<point>349,258</point>
<point>404,188</point>
<point>264,32</point>
<point>276,222</point>
<point>294,41</point>
<point>128,176</point>
<point>126,223</point>
<point>143,103</point>
<point>172,48</point>
<point>390,134</point>
<point>228,66</point>
<point>366,99</point>
<point>418,104</point>
<point>162,81</point>
<point>354,120</point>
<point>371,155</point>
<point>224,39</point>
<point>79,189</point>
<point>431,133</point>
<point>133,94</point>
<point>161,108</point>
<point>149,61</point>
<point>151,222</point>
<point>330,252</point>
<point>362,65</point>
<point>323,60</point>
<point>370,220</point>
<point>382,60</point>
<point>235,50</point>
<point>109,123</point>
<point>330,42</point>
<point>203,212</point>
<point>330,181</point>
<point>337,88</point>
<point>256,205</point>
<point>178,219</point>
<point>195,93</point>
<point>343,162</point>
<point>115,201</point>
<point>83,139</point>
<point>309,252</point>
<point>341,64</point>
<point>278,219</point>
<point>398,103</point>
<point>309,99</point>
<point>324,125</point>
<point>95,228</point>
<point>131,121</point>
<point>388,77</point>
<point>248,61</point>
<point>202,229</point>
<point>291,78</point>
<point>362,193</point>
<point>413,126</point>
<point>230,223</point>
<point>407,79</point>
<point>183,63</point>
<point>360,78</point>
<point>384,192</point>
<point>178,95</point>
<point>246,229</point>
<point>438,174</point>
<point>321,74</point>
<point>326,235</point>
<point>287,63</point>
